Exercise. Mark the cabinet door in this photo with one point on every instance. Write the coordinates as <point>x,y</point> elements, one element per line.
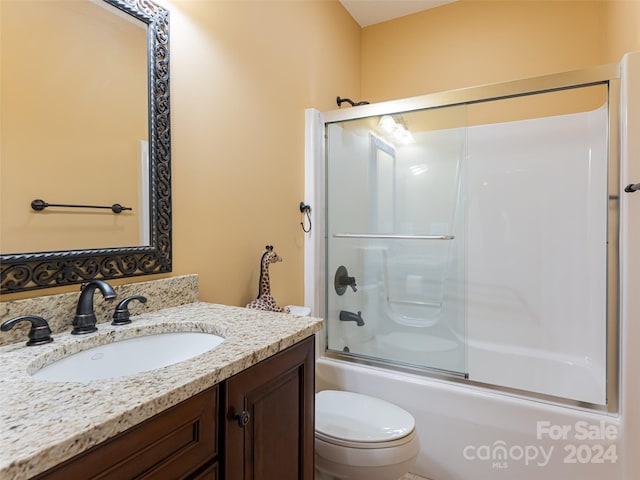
<point>269,419</point>
<point>171,445</point>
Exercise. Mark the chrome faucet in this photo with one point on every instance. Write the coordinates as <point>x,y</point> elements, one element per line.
<point>85,319</point>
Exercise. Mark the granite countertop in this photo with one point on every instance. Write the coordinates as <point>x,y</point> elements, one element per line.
<point>44,423</point>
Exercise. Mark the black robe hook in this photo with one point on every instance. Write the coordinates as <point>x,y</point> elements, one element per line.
<point>307,210</point>
<point>632,188</point>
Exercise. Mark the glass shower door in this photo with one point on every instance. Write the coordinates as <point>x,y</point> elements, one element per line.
<point>480,238</point>
<point>395,238</point>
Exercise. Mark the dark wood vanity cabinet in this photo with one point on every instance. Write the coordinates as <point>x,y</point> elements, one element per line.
<point>269,420</point>
<point>175,444</point>
<point>257,425</point>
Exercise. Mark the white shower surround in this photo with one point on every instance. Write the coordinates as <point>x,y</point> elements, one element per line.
<point>456,422</point>
<point>537,209</point>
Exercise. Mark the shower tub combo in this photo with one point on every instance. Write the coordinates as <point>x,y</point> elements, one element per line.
<point>468,254</point>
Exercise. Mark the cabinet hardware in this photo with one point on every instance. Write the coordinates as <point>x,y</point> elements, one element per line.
<point>242,418</point>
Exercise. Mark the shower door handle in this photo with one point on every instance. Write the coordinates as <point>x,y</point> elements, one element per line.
<point>390,236</point>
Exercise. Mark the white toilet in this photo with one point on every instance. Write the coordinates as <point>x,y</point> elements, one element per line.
<point>359,437</point>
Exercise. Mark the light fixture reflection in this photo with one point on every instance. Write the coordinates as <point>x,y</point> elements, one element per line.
<point>418,169</point>
<point>395,130</point>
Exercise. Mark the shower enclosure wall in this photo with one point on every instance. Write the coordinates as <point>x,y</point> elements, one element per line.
<point>470,245</point>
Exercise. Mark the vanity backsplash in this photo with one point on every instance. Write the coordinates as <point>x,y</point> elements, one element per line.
<point>59,309</point>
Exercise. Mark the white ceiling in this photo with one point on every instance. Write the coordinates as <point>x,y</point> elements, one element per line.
<point>369,12</point>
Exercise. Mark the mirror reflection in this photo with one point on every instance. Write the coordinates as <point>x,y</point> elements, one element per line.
<point>74,126</point>
<point>78,136</point>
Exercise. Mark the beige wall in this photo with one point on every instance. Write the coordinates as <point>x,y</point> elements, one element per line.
<point>622,26</point>
<point>242,75</point>
<point>474,42</point>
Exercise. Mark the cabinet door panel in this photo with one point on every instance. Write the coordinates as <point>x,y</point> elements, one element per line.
<point>210,473</point>
<point>278,395</point>
<point>170,445</point>
<point>276,416</point>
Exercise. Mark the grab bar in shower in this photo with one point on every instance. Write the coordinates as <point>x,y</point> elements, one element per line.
<point>393,237</point>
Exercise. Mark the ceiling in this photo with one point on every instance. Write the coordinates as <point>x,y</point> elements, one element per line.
<point>369,12</point>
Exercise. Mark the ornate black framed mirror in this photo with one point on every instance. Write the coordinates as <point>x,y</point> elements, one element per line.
<point>152,253</point>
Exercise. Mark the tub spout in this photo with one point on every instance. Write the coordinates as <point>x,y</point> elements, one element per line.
<point>351,317</point>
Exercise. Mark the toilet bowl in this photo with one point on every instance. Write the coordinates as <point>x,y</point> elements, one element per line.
<point>358,437</point>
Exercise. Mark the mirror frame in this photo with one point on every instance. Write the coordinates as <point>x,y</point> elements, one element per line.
<point>31,271</point>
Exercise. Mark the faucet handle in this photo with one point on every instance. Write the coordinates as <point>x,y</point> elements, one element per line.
<point>342,280</point>
<point>40,332</point>
<point>122,314</point>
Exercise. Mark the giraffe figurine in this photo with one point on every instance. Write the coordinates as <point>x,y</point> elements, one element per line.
<point>265,301</point>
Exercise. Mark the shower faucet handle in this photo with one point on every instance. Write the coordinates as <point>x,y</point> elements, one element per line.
<point>342,280</point>
<point>350,282</point>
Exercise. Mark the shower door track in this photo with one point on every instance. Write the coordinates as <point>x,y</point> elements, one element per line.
<point>600,75</point>
<point>462,379</point>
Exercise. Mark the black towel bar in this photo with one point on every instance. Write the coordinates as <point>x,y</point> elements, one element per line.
<point>41,205</point>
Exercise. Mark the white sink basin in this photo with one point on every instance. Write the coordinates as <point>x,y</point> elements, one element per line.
<point>129,357</point>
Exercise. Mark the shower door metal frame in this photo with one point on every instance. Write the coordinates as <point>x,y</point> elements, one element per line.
<point>601,75</point>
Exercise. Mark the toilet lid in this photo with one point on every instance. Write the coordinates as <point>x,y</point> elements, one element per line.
<point>360,418</point>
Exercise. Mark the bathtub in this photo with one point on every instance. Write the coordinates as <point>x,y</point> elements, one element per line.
<point>472,433</point>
